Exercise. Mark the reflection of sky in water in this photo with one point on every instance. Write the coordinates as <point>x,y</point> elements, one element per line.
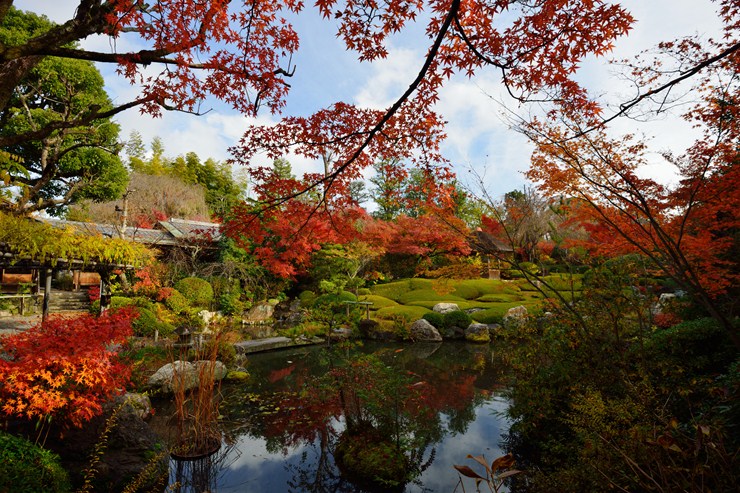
<point>254,469</point>
<point>481,438</point>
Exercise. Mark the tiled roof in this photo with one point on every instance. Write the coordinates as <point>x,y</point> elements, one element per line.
<point>173,232</point>
<point>183,228</point>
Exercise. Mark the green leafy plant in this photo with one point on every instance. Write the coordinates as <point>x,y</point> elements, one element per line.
<point>28,468</point>
<point>148,324</point>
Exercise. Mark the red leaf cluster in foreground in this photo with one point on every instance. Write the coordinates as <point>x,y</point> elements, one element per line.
<point>64,368</point>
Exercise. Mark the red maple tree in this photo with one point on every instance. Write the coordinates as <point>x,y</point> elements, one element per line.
<point>64,368</point>
<point>688,229</point>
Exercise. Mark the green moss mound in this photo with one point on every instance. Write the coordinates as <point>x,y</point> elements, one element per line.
<point>378,302</point>
<point>410,313</point>
<point>500,298</point>
<point>197,291</point>
<point>427,295</point>
<point>395,290</point>
<point>28,468</point>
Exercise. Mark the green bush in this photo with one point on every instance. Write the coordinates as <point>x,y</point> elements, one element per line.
<point>307,298</point>
<point>695,347</point>
<point>231,304</point>
<point>331,298</point>
<point>147,324</point>
<point>177,302</point>
<point>434,318</point>
<point>196,290</point>
<point>95,307</point>
<point>121,301</point>
<point>27,468</point>
<point>458,318</point>
<point>363,291</point>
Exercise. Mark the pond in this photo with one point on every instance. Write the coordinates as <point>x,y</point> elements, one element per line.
<point>370,418</point>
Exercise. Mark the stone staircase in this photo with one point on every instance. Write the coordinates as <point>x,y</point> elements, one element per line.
<point>68,301</point>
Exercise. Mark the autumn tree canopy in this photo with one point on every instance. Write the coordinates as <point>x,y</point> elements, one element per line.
<point>687,229</point>
<point>240,52</point>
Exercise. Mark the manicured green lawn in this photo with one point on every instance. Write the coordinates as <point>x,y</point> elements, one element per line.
<point>411,298</point>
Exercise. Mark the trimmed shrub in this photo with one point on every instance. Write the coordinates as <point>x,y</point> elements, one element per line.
<point>434,318</point>
<point>147,324</point>
<point>307,298</point>
<point>196,290</point>
<point>28,468</point>
<point>223,350</point>
<point>363,291</point>
<point>177,302</point>
<point>329,298</point>
<point>457,318</point>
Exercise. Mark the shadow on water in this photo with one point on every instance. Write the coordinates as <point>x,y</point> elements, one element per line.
<point>369,418</point>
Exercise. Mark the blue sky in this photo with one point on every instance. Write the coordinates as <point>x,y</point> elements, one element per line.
<point>478,137</point>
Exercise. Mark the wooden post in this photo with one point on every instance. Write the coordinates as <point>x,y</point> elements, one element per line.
<point>47,296</point>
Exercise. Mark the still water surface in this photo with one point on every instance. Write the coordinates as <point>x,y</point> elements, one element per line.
<point>284,427</point>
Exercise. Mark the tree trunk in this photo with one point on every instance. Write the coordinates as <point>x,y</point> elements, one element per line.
<point>11,73</point>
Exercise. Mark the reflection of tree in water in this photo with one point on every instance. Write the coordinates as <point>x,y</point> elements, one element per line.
<point>391,398</point>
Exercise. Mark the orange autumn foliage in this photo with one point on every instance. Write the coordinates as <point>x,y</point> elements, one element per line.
<point>688,229</point>
<point>65,368</point>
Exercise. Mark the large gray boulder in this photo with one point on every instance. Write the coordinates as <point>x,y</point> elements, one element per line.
<point>260,313</point>
<point>185,375</point>
<point>423,331</point>
<point>445,307</point>
<point>477,333</point>
<point>515,317</point>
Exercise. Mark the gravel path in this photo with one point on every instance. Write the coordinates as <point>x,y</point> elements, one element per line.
<point>10,325</point>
